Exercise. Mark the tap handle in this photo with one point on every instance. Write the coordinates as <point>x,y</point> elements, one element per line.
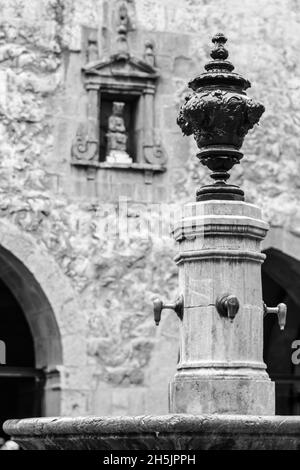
<point>157,309</point>
<point>227,306</point>
<point>280,311</point>
<point>159,306</point>
<point>233,305</point>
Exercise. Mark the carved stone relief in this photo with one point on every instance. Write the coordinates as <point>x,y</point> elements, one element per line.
<point>117,136</point>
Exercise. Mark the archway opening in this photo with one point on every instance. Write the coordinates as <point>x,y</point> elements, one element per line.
<point>281,283</point>
<point>21,384</point>
<point>31,346</point>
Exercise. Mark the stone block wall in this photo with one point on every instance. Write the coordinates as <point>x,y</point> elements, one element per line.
<point>125,362</point>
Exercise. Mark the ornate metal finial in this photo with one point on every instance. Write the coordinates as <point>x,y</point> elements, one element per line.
<point>92,47</point>
<point>149,55</point>
<point>219,114</point>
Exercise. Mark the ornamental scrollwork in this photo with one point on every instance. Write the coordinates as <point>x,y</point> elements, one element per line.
<point>219,117</point>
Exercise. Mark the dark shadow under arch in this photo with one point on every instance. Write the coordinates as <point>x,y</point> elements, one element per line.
<point>281,283</point>
<point>21,384</point>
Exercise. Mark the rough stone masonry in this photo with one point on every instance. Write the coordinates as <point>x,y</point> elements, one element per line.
<point>115,361</point>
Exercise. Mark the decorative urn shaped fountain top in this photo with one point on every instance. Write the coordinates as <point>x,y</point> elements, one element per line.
<point>219,114</point>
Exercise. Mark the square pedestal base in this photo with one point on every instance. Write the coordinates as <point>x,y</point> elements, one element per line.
<point>211,393</point>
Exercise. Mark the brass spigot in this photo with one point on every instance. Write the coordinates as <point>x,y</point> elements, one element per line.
<point>280,311</point>
<point>158,306</point>
<point>227,306</point>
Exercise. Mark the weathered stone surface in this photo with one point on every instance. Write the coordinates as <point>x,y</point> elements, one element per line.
<point>42,101</point>
<point>171,432</point>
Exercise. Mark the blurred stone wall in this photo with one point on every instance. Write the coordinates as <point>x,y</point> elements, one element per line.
<point>127,362</point>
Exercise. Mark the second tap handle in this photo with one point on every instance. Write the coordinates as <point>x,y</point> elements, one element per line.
<point>280,311</point>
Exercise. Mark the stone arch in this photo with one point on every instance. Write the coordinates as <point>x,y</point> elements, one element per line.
<point>281,283</point>
<point>282,239</point>
<point>50,307</point>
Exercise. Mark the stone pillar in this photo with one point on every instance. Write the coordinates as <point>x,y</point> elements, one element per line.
<point>221,367</point>
<point>93,112</point>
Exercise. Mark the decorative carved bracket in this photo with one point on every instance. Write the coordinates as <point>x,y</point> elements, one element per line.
<point>83,148</point>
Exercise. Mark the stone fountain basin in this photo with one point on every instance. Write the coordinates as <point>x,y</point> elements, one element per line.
<point>170,432</point>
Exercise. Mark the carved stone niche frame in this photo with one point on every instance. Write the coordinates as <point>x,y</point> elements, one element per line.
<point>122,77</point>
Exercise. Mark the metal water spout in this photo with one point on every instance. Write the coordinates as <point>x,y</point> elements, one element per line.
<point>221,368</point>
<point>228,306</point>
<point>159,306</point>
<point>280,311</point>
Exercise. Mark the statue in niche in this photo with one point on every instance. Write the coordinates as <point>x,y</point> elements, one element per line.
<point>117,136</point>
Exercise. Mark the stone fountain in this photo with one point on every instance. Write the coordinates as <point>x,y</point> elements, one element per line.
<point>221,396</point>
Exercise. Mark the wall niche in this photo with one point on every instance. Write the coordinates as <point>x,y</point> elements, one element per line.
<point>118,131</point>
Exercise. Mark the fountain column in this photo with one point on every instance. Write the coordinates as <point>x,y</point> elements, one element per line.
<point>221,368</point>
